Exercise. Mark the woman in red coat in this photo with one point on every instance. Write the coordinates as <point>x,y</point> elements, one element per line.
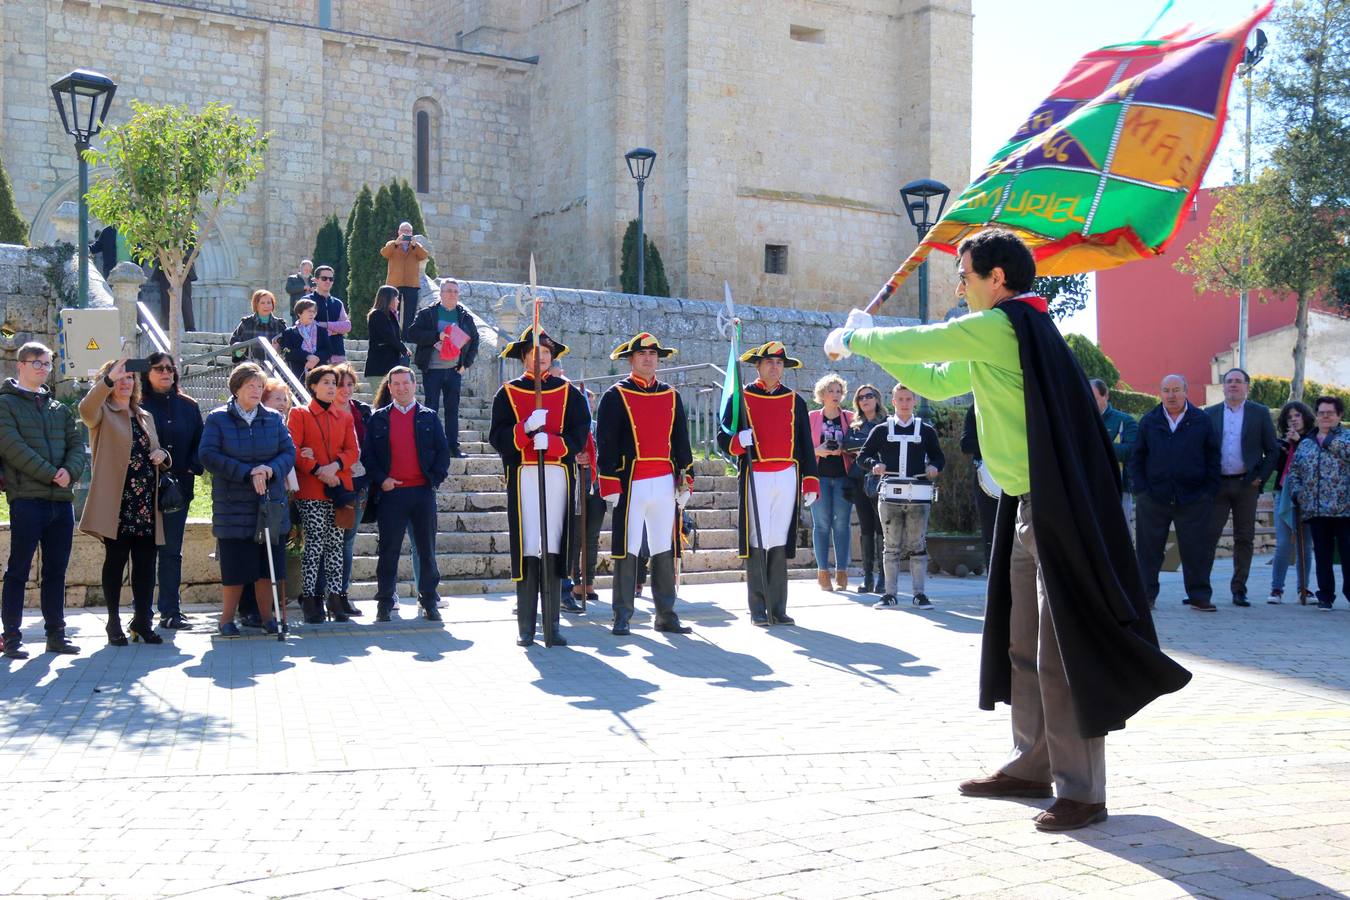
<point>325,452</point>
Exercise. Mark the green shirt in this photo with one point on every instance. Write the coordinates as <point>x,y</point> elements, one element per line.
<point>977,352</point>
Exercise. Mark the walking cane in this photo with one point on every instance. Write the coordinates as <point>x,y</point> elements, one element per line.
<point>1300,558</point>
<point>272,571</point>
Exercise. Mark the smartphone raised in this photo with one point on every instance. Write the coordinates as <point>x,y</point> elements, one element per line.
<point>138,365</point>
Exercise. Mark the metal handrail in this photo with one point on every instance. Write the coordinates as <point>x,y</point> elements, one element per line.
<point>700,397</point>
<point>150,328</point>
<point>272,364</point>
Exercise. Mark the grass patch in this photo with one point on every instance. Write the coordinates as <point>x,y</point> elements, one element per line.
<point>200,508</point>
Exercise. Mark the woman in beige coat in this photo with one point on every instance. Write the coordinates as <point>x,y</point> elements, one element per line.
<point>123,505</point>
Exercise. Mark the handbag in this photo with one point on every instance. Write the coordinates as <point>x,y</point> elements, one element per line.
<point>271,518</point>
<point>344,505</point>
<point>170,498</point>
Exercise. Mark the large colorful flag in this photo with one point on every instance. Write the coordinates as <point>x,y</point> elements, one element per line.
<point>1103,170</point>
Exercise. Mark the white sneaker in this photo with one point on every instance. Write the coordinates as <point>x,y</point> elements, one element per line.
<point>1275,597</point>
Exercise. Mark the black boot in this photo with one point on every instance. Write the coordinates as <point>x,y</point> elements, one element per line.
<point>429,609</point>
<point>777,587</point>
<point>754,585</point>
<point>57,643</point>
<point>663,594</point>
<point>351,608</point>
<point>116,637</point>
<point>869,557</point>
<point>337,607</point>
<point>552,611</point>
<point>12,647</point>
<point>621,594</point>
<point>384,610</point>
<point>527,600</point>
<point>313,609</point>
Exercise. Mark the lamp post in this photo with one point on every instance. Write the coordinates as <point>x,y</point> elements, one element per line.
<point>77,100</point>
<point>640,161</point>
<point>1250,57</point>
<point>918,199</point>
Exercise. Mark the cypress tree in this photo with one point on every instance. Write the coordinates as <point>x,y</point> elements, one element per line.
<point>365,266</point>
<point>330,249</point>
<point>13,226</point>
<point>654,273</point>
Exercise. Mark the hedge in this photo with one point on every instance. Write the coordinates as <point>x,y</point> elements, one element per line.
<point>1273,391</point>
<point>1133,402</point>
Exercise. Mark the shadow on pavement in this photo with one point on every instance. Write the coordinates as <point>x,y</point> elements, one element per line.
<point>103,691</point>
<point>1200,865</point>
<point>588,683</point>
<point>865,660</point>
<point>689,657</point>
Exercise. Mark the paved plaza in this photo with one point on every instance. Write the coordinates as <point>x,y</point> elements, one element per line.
<point>815,761</point>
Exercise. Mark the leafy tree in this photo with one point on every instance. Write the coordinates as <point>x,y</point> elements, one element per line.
<point>386,216</point>
<point>330,249</point>
<point>365,269</point>
<point>654,274</point>
<point>1066,294</point>
<point>1095,363</point>
<point>1291,220</point>
<point>13,226</point>
<point>173,173</point>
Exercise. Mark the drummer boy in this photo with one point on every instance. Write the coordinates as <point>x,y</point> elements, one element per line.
<point>904,448</point>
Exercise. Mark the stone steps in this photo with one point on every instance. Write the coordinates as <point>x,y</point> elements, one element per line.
<point>497,541</point>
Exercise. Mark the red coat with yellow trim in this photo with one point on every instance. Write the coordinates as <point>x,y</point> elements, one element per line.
<point>641,432</point>
<point>568,425</point>
<point>781,425</point>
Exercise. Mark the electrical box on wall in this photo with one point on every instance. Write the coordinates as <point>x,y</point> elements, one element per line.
<point>86,339</point>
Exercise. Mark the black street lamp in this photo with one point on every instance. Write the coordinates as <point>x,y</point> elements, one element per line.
<point>640,162</point>
<point>1250,57</point>
<point>918,198</point>
<point>77,100</point>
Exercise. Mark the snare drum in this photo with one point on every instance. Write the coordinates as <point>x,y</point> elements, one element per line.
<point>897,489</point>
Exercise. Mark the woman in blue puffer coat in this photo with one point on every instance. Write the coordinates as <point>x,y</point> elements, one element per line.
<point>247,449</point>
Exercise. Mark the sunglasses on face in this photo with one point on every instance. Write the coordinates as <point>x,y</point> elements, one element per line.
<point>165,368</point>
<point>868,397</point>
<point>325,278</point>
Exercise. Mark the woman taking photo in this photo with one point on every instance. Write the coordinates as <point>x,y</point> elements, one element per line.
<point>248,451</point>
<point>1293,425</point>
<point>1319,482</point>
<point>831,514</point>
<point>386,350</point>
<point>325,446</point>
<point>123,505</point>
<point>178,423</point>
<point>262,323</point>
<point>869,411</point>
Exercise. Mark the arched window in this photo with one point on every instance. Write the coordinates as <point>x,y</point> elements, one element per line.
<point>423,152</point>
<point>426,146</point>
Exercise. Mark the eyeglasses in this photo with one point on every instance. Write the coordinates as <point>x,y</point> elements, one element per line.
<point>39,364</point>
<point>165,368</point>
<point>868,397</point>
<point>324,278</point>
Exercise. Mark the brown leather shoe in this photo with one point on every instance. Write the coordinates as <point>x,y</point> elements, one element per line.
<point>1067,815</point>
<point>841,579</point>
<point>823,579</point>
<point>1001,785</point>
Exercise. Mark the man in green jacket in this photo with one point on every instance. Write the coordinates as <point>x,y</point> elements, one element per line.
<point>43,456</point>
<point>1123,431</point>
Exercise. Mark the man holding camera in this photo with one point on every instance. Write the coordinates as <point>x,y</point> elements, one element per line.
<point>405,272</point>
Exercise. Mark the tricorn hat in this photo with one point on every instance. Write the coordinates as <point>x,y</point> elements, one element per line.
<point>516,349</point>
<point>771,350</point>
<point>642,341</point>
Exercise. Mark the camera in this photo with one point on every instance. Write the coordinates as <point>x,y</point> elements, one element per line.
<point>831,444</point>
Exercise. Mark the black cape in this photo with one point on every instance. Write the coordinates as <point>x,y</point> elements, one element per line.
<point>1096,593</point>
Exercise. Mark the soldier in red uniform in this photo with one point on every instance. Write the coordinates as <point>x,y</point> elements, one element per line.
<point>642,439</point>
<point>518,432</point>
<point>776,435</point>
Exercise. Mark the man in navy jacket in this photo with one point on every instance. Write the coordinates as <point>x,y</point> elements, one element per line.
<point>406,458</point>
<point>1174,473</point>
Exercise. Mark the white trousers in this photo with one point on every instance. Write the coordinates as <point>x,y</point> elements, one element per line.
<point>651,505</point>
<point>527,489</point>
<point>776,498</point>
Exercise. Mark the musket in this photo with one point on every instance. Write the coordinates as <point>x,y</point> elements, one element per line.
<point>584,498</point>
<point>732,324</point>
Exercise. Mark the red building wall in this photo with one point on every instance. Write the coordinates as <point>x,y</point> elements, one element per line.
<point>1152,323</point>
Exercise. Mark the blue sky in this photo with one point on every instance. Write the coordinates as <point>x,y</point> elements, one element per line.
<point>1023,48</point>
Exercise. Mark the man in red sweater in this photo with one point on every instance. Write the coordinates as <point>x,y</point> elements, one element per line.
<point>407,457</point>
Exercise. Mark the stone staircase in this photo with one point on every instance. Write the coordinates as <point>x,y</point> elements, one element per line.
<point>471,540</point>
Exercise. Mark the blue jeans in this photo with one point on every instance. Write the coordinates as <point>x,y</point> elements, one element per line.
<point>1285,551</point>
<point>33,523</point>
<point>349,539</point>
<point>830,518</point>
<point>170,561</point>
<point>442,386</point>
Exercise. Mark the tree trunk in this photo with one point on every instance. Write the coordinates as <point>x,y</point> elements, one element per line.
<point>1300,346</point>
<point>174,325</point>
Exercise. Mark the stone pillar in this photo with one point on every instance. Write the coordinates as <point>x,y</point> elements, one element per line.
<point>125,282</point>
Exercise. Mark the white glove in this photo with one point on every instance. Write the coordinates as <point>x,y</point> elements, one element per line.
<point>746,438</point>
<point>857,319</point>
<point>535,420</point>
<point>682,498</point>
<point>808,498</point>
<point>834,345</point>
<point>541,440</point>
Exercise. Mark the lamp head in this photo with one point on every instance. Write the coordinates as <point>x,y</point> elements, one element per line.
<point>918,197</point>
<point>77,100</point>
<point>640,161</point>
